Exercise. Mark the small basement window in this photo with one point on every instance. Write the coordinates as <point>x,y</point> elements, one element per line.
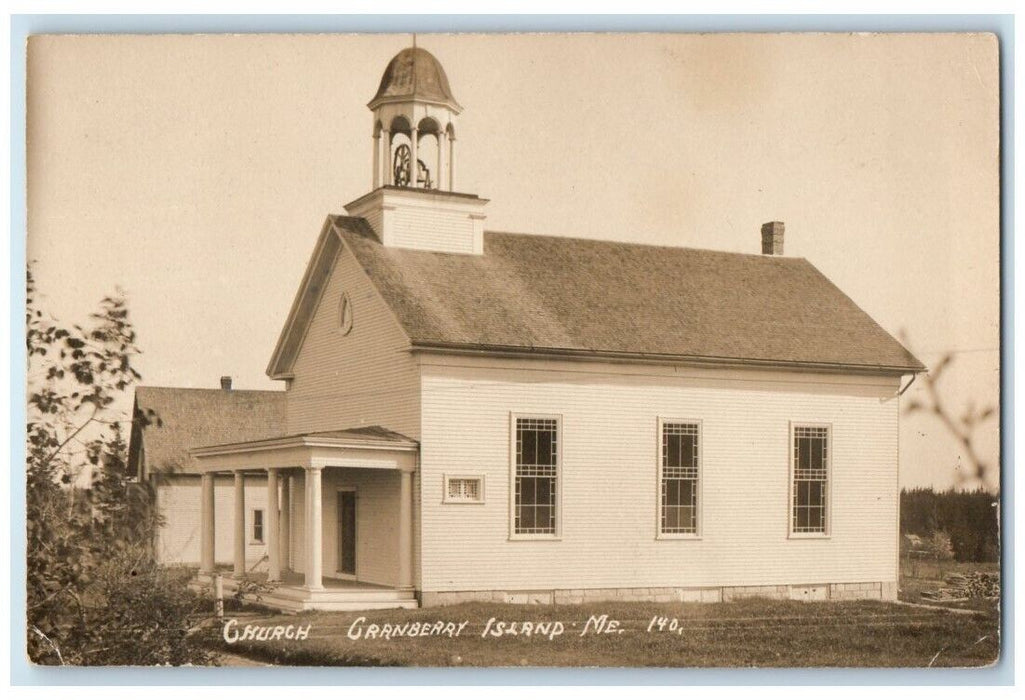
<point>464,489</point>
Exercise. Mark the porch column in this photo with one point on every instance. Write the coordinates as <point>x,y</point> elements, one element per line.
<point>314,527</point>
<point>406,529</point>
<point>284,528</point>
<point>273,533</point>
<point>207,564</point>
<point>240,523</point>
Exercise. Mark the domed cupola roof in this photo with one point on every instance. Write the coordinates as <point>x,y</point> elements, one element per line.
<point>414,74</point>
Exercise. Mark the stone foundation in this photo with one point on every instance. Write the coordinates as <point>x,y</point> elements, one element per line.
<point>572,596</point>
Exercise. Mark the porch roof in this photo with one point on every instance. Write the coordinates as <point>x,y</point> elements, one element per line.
<point>371,447</point>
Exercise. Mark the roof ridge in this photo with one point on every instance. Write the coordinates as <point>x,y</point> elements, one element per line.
<point>213,389</point>
<point>644,244</point>
<point>603,241</point>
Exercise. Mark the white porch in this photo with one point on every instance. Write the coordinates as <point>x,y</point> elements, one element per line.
<point>290,594</point>
<point>344,498</point>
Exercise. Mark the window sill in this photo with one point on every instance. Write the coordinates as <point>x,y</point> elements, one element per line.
<point>462,503</point>
<point>677,536</point>
<point>808,536</point>
<point>535,538</point>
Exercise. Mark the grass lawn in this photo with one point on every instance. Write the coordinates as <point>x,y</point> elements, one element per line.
<point>753,632</point>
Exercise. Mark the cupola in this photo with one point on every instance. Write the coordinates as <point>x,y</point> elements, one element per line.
<point>413,203</point>
<point>414,110</point>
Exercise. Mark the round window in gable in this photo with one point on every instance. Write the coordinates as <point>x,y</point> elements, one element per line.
<point>345,315</point>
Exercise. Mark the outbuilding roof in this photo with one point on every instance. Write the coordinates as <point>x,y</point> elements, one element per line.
<point>192,417</point>
<point>581,297</point>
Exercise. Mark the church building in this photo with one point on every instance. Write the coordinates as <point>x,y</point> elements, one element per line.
<point>470,415</point>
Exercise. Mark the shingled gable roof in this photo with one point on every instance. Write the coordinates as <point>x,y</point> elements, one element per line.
<point>195,417</point>
<point>600,299</point>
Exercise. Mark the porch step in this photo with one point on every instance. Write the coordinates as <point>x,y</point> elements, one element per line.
<point>355,595</point>
<point>346,605</point>
<point>296,599</point>
<point>333,601</point>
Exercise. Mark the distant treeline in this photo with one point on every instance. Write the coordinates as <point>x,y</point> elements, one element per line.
<point>970,519</point>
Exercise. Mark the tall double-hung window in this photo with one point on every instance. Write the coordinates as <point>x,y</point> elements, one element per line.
<point>679,474</point>
<point>536,480</point>
<point>810,480</point>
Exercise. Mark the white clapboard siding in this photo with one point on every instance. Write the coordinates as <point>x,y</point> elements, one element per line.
<point>377,507</point>
<point>373,215</point>
<point>361,379</point>
<point>178,501</point>
<point>609,483</point>
<point>427,229</point>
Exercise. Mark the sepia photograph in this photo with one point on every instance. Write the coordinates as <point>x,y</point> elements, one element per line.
<point>489,350</point>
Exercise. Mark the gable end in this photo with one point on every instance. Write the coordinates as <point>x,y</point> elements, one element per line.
<point>307,298</point>
<point>311,289</point>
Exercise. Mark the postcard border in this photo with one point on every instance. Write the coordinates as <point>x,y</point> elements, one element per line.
<point>22,26</point>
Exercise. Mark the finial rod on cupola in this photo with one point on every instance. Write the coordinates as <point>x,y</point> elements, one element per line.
<point>414,124</point>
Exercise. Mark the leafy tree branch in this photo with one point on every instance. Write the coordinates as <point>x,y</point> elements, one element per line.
<point>96,594</point>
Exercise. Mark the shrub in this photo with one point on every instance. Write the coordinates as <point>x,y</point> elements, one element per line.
<point>95,593</point>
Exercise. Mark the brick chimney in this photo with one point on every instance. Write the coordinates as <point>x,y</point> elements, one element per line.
<point>226,383</point>
<point>772,238</point>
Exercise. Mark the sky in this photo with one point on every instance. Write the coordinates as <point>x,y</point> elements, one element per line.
<point>194,173</point>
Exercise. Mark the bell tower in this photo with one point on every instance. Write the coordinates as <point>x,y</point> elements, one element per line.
<point>413,202</point>
<point>414,123</point>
